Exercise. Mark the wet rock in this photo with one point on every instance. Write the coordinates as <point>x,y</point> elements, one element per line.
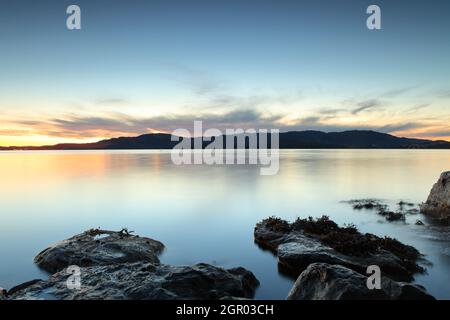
<point>438,202</point>
<point>307,241</point>
<point>3,294</point>
<point>368,204</point>
<point>321,281</point>
<point>142,280</point>
<point>22,286</point>
<point>403,204</point>
<point>419,223</point>
<point>97,247</point>
<point>395,216</point>
<point>118,265</point>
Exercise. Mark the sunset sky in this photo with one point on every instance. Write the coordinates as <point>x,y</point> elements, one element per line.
<point>154,66</point>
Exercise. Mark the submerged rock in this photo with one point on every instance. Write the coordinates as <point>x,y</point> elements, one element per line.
<point>97,247</point>
<point>438,202</point>
<point>394,216</point>
<point>368,204</point>
<point>307,241</point>
<point>321,281</point>
<point>141,280</point>
<point>382,209</point>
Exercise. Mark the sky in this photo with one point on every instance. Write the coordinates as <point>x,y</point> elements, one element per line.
<point>154,66</point>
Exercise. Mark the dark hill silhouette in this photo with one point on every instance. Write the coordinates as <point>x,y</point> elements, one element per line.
<point>355,139</point>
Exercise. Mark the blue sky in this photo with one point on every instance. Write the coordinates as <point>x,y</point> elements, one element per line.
<point>143,66</point>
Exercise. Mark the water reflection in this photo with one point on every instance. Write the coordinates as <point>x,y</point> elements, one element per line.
<point>207,213</point>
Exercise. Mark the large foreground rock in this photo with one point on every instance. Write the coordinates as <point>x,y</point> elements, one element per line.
<point>118,265</point>
<point>438,202</point>
<point>140,281</point>
<point>303,242</point>
<point>322,281</point>
<point>97,247</point>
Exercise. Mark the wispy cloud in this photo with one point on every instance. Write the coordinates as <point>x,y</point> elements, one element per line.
<point>370,104</point>
<point>444,93</point>
<point>112,124</point>
<point>398,92</point>
<point>419,107</point>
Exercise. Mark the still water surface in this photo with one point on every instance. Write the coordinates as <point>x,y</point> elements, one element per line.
<point>207,213</point>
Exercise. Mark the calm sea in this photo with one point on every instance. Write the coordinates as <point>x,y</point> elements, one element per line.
<point>207,213</point>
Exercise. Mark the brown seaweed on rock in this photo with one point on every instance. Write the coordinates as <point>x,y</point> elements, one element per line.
<point>321,240</point>
<point>350,241</point>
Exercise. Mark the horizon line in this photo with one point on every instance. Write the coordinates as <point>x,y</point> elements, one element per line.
<point>12,147</point>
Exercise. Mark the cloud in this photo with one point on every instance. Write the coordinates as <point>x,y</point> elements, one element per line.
<point>311,121</point>
<point>400,127</point>
<point>436,133</point>
<point>445,93</point>
<point>397,92</point>
<point>367,105</point>
<point>113,124</point>
<point>320,124</point>
<point>215,93</point>
<point>218,109</point>
<point>108,125</point>
<point>198,81</point>
<point>419,107</point>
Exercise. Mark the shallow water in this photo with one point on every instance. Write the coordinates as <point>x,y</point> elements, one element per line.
<point>207,213</point>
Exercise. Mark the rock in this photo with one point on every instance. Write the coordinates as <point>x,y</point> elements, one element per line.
<point>395,216</point>
<point>23,286</point>
<point>97,247</point>
<point>402,204</point>
<point>419,223</point>
<point>321,281</point>
<point>118,265</point>
<point>367,204</point>
<point>307,241</point>
<point>382,209</point>
<point>143,280</point>
<point>438,202</point>
<point>3,294</point>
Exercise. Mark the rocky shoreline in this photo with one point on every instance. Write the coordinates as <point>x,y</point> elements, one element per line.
<point>121,266</point>
<point>328,261</point>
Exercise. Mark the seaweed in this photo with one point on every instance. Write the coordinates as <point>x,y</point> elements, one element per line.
<point>348,240</point>
<point>383,209</point>
<point>276,224</point>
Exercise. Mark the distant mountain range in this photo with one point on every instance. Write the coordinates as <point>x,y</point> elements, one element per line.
<point>355,139</point>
